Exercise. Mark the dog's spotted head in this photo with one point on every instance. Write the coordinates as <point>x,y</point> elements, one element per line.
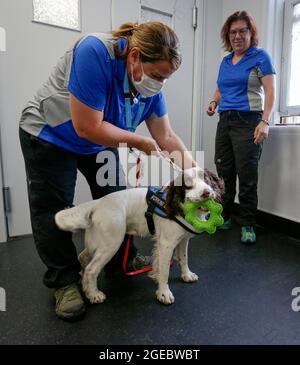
<point>194,185</point>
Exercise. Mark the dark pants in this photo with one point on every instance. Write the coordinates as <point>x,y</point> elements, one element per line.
<point>237,155</point>
<point>51,176</point>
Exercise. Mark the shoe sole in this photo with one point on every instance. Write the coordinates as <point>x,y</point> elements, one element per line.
<point>77,315</point>
<point>248,243</point>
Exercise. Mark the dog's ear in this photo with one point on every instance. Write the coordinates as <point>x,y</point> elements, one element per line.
<point>175,196</point>
<point>216,183</point>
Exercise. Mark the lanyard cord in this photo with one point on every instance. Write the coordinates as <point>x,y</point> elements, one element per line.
<point>131,125</point>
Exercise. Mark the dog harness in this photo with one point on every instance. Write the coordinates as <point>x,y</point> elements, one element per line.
<point>156,200</point>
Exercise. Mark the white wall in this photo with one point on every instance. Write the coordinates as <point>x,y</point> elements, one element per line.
<point>279,175</point>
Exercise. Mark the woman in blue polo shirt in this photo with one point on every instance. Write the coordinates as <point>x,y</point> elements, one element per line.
<point>245,98</point>
<point>94,99</point>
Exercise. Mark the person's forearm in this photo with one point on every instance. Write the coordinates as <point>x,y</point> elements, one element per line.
<point>174,145</point>
<point>217,96</point>
<point>268,103</point>
<point>106,134</point>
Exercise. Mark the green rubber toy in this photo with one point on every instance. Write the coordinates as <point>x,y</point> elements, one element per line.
<point>215,218</point>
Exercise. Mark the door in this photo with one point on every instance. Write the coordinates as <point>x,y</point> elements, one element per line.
<point>179,88</point>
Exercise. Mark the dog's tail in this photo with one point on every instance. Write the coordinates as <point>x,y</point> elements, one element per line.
<point>73,219</point>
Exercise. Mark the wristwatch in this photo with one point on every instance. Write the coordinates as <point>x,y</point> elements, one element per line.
<point>213,101</point>
<point>265,121</point>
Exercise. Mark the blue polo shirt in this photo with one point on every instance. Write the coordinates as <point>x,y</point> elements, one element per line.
<point>93,74</point>
<point>240,85</point>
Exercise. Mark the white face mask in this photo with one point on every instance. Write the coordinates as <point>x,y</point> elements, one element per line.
<point>146,86</point>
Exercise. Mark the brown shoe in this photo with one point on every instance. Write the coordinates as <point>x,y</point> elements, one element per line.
<point>139,262</point>
<point>69,302</point>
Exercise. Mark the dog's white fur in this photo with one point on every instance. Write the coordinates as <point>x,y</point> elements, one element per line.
<point>107,220</point>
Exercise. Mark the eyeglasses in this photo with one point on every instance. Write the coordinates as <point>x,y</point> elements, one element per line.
<point>242,32</point>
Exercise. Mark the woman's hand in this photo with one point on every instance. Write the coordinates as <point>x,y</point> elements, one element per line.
<point>211,108</point>
<point>261,132</point>
<point>148,145</point>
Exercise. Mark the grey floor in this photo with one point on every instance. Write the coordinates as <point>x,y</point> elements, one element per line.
<point>243,296</point>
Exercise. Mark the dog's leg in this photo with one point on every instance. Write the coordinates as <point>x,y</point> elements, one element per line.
<point>105,251</point>
<point>164,252</point>
<point>84,259</point>
<point>181,256</point>
<point>89,279</point>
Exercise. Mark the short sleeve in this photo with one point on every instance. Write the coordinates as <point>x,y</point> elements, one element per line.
<point>91,72</point>
<point>265,64</point>
<point>158,106</point>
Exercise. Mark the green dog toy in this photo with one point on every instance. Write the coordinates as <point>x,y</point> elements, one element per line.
<point>215,219</point>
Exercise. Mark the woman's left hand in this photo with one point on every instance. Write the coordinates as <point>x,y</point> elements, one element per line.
<point>261,132</point>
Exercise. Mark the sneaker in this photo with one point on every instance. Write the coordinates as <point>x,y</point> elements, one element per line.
<point>226,225</point>
<point>139,262</point>
<point>248,235</point>
<point>69,302</point>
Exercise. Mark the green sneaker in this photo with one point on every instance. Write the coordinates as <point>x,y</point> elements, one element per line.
<point>226,225</point>
<point>248,235</point>
<point>69,302</point>
<point>139,262</point>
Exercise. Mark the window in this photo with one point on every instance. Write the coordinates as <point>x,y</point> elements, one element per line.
<point>149,14</point>
<point>290,94</point>
<point>59,13</point>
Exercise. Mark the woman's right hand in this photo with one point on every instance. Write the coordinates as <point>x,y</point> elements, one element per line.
<point>148,145</point>
<point>211,109</point>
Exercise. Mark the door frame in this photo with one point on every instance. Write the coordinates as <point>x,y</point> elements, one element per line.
<point>3,223</point>
<point>198,103</point>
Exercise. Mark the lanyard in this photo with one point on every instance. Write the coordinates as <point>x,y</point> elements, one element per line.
<point>131,125</point>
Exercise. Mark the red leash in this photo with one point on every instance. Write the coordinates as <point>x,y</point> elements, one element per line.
<point>125,260</point>
<point>129,237</point>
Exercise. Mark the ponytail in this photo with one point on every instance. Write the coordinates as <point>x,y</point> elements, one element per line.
<point>155,40</point>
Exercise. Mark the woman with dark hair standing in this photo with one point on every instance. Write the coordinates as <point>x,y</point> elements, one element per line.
<point>94,99</point>
<point>245,97</point>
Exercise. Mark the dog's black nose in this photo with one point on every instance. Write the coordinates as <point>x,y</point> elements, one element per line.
<point>205,194</point>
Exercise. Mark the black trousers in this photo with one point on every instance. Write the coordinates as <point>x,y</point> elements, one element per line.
<point>51,177</point>
<point>237,155</point>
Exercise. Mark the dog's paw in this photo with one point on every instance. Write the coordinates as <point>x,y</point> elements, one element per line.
<point>165,297</point>
<point>189,277</point>
<point>96,297</point>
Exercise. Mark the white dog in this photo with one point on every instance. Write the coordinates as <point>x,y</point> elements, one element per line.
<point>107,220</point>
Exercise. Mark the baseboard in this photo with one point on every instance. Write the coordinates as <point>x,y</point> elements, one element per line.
<point>279,224</point>
<point>276,223</point>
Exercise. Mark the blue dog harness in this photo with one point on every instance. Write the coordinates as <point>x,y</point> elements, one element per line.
<point>156,200</point>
